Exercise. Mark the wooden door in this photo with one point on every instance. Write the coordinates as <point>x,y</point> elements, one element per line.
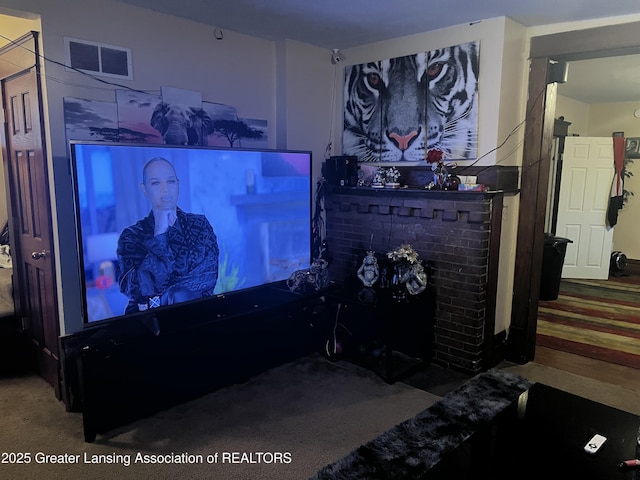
<point>585,189</point>
<point>30,212</point>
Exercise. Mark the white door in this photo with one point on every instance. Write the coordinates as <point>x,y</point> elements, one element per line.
<point>585,189</point>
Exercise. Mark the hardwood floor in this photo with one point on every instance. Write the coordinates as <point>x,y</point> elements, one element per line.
<point>622,376</point>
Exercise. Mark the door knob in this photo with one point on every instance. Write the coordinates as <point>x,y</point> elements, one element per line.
<point>38,255</point>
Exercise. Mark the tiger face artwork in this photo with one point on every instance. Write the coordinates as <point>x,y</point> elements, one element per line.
<point>399,109</point>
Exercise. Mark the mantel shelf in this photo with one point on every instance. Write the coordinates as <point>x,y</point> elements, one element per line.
<point>414,191</point>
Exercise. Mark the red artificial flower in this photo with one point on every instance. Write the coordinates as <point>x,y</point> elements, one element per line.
<point>435,156</point>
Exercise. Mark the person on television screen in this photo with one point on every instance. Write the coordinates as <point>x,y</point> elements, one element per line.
<point>170,256</point>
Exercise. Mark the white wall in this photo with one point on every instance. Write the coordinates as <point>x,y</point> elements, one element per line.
<point>512,113</point>
<point>239,70</point>
<point>606,118</point>
<point>575,112</point>
<point>304,111</point>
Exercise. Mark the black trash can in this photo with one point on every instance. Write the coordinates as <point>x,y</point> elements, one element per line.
<point>553,254</point>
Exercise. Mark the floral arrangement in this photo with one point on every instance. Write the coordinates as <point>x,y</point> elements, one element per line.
<point>392,175</point>
<point>386,175</point>
<point>436,158</point>
<point>405,253</point>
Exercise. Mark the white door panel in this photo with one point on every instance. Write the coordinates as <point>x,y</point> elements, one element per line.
<point>585,188</point>
<point>571,232</point>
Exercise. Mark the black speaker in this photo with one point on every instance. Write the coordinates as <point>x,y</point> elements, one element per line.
<point>558,72</point>
<point>342,171</point>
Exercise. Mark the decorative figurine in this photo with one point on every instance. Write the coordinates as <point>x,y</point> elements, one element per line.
<point>317,276</point>
<point>368,273</point>
<point>378,178</point>
<point>416,279</point>
<point>409,275</point>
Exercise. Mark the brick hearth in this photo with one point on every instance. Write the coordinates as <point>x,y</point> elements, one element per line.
<point>456,233</point>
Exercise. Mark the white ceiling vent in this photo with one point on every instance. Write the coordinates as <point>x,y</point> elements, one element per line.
<point>98,58</point>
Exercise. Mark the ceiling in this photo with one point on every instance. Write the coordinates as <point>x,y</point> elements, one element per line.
<point>350,23</point>
<point>344,24</point>
<point>603,80</point>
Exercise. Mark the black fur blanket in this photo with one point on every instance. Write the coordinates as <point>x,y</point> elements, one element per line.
<point>412,447</point>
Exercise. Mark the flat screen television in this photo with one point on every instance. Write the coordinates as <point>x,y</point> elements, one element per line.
<point>257,202</point>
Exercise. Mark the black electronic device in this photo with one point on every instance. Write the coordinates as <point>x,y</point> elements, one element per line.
<point>342,170</point>
<point>258,203</point>
<point>617,264</point>
<point>558,71</point>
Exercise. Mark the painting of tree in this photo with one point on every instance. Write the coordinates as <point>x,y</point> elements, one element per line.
<point>235,130</point>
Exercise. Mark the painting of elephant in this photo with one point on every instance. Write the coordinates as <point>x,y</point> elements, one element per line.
<point>180,125</point>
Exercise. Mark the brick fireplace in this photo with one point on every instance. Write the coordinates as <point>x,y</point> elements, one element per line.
<point>457,234</point>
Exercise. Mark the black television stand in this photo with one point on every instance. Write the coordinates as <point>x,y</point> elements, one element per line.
<point>125,370</point>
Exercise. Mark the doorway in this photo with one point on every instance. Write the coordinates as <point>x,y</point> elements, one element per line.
<point>29,206</point>
<point>589,43</point>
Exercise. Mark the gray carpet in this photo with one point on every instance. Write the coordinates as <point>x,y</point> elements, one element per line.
<point>311,411</point>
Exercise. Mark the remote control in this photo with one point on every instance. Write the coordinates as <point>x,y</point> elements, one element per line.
<point>594,444</point>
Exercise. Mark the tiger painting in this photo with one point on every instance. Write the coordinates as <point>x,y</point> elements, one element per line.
<point>400,108</point>
<point>452,100</point>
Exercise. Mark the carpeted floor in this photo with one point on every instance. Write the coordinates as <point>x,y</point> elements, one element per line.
<point>594,318</point>
<point>306,414</point>
<point>288,422</point>
<point>436,379</point>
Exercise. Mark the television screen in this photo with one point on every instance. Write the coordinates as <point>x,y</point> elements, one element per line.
<point>159,225</point>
